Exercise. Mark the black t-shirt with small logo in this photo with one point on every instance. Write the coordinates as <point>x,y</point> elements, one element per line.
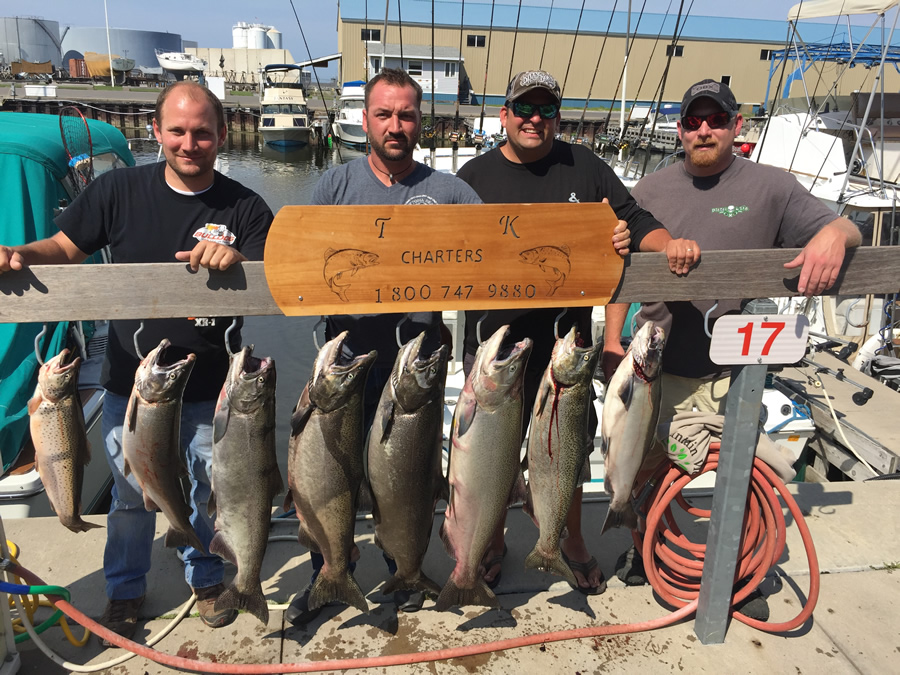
<point>143,220</point>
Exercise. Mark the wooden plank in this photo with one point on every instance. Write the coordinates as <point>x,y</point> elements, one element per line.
<point>837,455</point>
<point>160,290</point>
<point>426,257</point>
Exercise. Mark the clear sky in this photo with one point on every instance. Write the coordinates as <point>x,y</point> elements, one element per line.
<point>209,22</point>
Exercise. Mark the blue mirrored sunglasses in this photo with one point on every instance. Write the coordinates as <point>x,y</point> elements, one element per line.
<point>526,110</point>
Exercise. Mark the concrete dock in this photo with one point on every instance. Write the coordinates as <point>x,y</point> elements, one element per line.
<point>854,628</point>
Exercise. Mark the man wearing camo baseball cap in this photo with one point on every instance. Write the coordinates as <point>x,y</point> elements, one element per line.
<point>531,80</point>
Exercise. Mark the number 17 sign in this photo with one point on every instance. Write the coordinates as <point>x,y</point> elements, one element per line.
<point>745,339</point>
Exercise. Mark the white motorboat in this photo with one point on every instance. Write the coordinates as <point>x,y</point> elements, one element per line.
<point>284,117</point>
<point>348,121</point>
<point>179,62</point>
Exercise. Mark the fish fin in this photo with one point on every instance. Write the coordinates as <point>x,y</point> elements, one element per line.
<point>419,583</point>
<point>624,517</point>
<point>126,468</point>
<point>454,596</point>
<point>542,396</point>
<point>518,492</point>
<point>465,415</point>
<point>626,391</point>
<point>211,503</point>
<point>220,547</point>
<point>302,411</point>
<point>220,419</point>
<point>176,538</point>
<point>528,506</point>
<point>604,444</point>
<point>441,489</point>
<point>565,249</point>
<point>342,589</point>
<point>365,501</point>
<point>387,418</point>
<point>35,402</point>
<point>445,539</point>
<point>330,252</point>
<point>552,563</point>
<point>149,504</point>
<point>254,602</point>
<point>288,501</point>
<point>76,524</point>
<point>131,413</point>
<point>306,540</point>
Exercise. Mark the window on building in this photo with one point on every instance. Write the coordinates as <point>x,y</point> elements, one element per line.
<point>726,80</point>
<point>765,54</point>
<point>371,34</point>
<point>415,68</point>
<point>674,50</point>
<point>450,69</point>
<point>376,64</point>
<point>475,40</point>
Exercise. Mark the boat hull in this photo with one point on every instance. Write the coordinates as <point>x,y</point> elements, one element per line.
<point>350,134</point>
<point>285,136</point>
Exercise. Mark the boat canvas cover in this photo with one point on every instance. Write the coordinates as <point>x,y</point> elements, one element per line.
<point>33,163</point>
<point>815,9</point>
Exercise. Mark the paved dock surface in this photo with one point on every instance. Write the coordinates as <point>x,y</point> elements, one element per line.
<point>854,628</point>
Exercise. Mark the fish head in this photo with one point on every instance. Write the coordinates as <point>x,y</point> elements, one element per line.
<point>529,257</point>
<point>337,374</point>
<point>572,363</point>
<point>417,379</point>
<point>58,377</point>
<point>251,380</point>
<point>157,379</point>
<point>499,368</point>
<point>647,349</point>
<point>367,259</point>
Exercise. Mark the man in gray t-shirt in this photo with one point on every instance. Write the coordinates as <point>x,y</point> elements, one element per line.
<point>392,120</point>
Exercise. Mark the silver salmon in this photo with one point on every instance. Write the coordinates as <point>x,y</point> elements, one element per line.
<point>151,441</point>
<point>404,455</point>
<point>245,477</point>
<point>558,444</point>
<point>325,468</point>
<point>60,441</point>
<point>485,474</point>
<point>628,423</point>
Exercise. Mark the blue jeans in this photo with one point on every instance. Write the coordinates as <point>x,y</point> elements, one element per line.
<point>130,528</point>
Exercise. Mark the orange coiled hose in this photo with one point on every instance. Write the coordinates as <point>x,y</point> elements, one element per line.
<point>674,564</point>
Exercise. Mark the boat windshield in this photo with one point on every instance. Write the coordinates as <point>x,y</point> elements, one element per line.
<point>353,105</point>
<point>284,109</point>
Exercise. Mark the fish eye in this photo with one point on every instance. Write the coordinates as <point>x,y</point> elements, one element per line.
<point>587,357</point>
<point>433,370</point>
<point>173,376</point>
<point>261,379</point>
<point>350,376</point>
<point>513,368</point>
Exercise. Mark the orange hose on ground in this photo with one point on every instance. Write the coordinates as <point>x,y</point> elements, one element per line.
<point>674,577</point>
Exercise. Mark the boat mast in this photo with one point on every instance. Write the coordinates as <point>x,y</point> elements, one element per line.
<point>624,80</point>
<point>112,79</point>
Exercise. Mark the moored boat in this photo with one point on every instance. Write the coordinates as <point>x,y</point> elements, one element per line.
<point>284,118</point>
<point>349,118</point>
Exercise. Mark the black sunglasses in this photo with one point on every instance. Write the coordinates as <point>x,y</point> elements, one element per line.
<point>716,120</point>
<point>526,110</point>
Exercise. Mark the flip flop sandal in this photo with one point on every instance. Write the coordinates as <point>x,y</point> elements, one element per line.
<point>585,568</point>
<point>496,560</point>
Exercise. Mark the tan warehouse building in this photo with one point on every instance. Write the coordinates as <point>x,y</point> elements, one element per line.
<point>585,51</point>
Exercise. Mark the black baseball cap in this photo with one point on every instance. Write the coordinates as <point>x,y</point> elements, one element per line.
<point>529,81</point>
<point>717,91</point>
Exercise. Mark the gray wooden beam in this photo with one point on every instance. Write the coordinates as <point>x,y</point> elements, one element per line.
<point>159,290</point>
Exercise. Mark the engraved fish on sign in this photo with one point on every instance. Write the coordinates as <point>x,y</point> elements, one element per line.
<point>343,264</point>
<point>553,261</point>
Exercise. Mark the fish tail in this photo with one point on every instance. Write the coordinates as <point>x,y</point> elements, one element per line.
<point>452,595</point>
<point>622,517</point>
<point>254,602</point>
<point>420,583</point>
<point>341,589</point>
<point>176,538</point>
<point>552,563</point>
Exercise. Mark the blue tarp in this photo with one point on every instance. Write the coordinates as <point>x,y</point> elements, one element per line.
<point>33,163</point>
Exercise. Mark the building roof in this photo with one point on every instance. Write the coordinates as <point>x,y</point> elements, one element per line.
<point>447,14</point>
<point>415,52</point>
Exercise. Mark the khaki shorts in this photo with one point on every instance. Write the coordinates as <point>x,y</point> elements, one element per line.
<point>685,394</point>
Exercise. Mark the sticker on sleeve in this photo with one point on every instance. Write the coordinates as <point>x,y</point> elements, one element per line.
<point>218,234</point>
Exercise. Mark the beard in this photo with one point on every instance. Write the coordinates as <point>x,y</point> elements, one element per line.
<point>707,157</point>
<point>394,154</point>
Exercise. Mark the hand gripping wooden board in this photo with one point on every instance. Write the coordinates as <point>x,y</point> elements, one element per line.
<point>424,257</point>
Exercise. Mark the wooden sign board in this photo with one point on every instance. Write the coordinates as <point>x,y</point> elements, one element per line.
<point>423,257</point>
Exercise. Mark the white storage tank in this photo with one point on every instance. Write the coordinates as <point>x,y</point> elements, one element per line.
<point>256,38</point>
<point>239,35</point>
<point>273,36</point>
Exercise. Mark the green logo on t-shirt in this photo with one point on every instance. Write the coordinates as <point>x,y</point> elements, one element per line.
<point>731,211</point>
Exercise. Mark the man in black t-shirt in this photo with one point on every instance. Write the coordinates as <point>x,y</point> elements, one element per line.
<point>180,209</point>
<point>531,166</point>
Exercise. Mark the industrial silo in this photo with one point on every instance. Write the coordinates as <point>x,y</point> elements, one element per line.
<point>239,35</point>
<point>256,37</point>
<point>139,45</point>
<point>273,37</point>
<point>31,40</point>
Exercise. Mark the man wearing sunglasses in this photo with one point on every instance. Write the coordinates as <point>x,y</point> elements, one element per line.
<point>533,166</point>
<point>724,202</point>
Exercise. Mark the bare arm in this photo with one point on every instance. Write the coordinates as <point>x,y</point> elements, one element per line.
<point>612,338</point>
<point>55,250</point>
<point>821,259</point>
<point>682,254</point>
